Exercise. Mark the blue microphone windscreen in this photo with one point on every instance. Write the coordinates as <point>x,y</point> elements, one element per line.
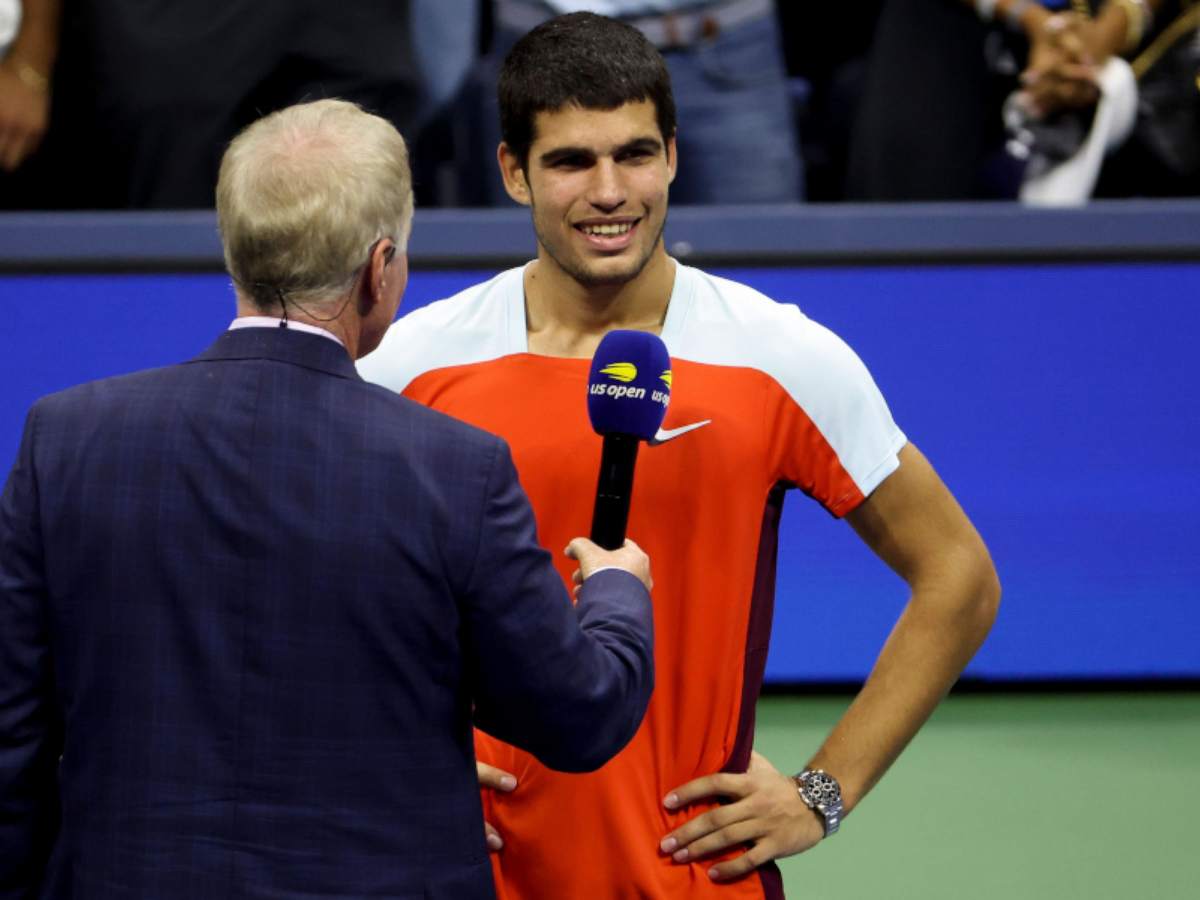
<point>630,384</point>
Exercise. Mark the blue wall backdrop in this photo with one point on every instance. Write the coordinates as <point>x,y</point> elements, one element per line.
<point>1059,402</point>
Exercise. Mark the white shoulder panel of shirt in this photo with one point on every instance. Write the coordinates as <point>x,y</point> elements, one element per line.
<point>269,322</point>
<point>709,320</point>
<point>482,323</point>
<point>722,322</point>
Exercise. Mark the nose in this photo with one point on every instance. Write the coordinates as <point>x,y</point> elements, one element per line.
<point>606,192</point>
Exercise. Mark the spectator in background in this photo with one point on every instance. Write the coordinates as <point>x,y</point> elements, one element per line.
<point>446,40</point>
<point>730,83</point>
<point>930,124</point>
<point>148,95</point>
<point>28,47</point>
<point>826,46</point>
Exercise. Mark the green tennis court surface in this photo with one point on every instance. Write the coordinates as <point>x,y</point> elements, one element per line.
<point>1012,797</point>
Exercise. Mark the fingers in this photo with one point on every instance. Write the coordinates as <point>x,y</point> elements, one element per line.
<point>711,831</point>
<point>1054,90</point>
<point>635,559</point>
<point>639,562</point>
<point>24,114</point>
<point>726,827</point>
<point>760,854</point>
<point>12,147</point>
<point>591,557</point>
<point>767,814</point>
<point>25,149</point>
<point>722,784</point>
<point>1061,96</point>
<point>492,838</point>
<point>735,835</point>
<point>15,148</point>
<point>1074,47</point>
<point>497,779</point>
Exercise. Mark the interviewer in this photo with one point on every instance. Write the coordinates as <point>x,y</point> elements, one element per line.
<point>251,605</point>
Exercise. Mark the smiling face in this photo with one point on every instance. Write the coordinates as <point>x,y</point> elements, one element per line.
<point>596,182</point>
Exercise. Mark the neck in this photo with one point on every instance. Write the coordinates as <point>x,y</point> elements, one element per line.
<point>344,327</point>
<point>566,318</point>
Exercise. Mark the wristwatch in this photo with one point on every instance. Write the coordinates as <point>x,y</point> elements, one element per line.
<point>820,791</point>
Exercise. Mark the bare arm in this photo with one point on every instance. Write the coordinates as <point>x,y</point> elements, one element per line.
<point>25,74</point>
<point>1066,49</point>
<point>913,523</point>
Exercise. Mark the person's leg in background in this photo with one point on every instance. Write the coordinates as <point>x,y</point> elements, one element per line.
<point>169,79</point>
<point>362,52</point>
<point>446,45</point>
<point>737,133</point>
<point>930,112</point>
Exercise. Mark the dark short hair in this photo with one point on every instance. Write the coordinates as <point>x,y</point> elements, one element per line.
<point>584,60</point>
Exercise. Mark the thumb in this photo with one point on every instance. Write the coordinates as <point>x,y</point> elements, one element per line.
<point>580,548</point>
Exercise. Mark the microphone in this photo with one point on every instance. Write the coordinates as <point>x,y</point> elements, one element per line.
<point>629,388</point>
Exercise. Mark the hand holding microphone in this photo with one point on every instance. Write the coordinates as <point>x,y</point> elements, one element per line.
<point>628,391</point>
<point>593,558</point>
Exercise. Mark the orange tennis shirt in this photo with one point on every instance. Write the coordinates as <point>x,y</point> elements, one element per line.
<point>788,404</point>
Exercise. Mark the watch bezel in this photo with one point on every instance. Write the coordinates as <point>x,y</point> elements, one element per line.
<point>828,807</point>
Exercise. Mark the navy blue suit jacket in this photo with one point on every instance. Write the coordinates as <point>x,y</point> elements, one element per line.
<point>254,604</point>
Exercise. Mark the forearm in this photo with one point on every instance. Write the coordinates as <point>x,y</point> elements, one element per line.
<point>943,625</point>
<point>1120,25</point>
<point>1116,29</point>
<point>36,43</point>
<point>912,522</point>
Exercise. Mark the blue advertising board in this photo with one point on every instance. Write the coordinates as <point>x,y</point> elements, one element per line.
<point>1057,400</point>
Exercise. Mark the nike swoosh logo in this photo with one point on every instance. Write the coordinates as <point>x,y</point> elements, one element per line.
<point>669,435</point>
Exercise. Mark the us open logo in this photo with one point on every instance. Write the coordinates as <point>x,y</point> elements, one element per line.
<point>623,373</point>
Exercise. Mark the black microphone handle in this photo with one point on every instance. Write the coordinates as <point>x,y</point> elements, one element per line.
<point>614,490</point>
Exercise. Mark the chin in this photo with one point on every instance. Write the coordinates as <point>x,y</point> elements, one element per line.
<point>609,273</point>
<point>605,279</point>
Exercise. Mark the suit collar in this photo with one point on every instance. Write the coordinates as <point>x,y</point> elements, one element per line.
<point>286,345</point>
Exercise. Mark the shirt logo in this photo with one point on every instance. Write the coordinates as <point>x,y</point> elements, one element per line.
<point>665,435</point>
<point>623,372</point>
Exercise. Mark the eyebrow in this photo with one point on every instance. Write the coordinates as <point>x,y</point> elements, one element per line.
<point>550,157</point>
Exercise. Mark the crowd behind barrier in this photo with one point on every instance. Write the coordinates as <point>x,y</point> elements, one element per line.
<point>105,107</point>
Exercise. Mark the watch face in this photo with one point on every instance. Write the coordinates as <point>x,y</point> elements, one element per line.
<point>822,789</point>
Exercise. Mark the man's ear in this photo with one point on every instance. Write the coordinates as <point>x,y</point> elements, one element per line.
<point>373,285</point>
<point>672,159</point>
<point>515,181</point>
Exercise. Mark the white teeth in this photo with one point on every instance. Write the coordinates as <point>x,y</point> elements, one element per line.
<point>607,230</point>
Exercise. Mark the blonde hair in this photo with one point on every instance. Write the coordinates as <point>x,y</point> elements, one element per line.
<point>304,193</point>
